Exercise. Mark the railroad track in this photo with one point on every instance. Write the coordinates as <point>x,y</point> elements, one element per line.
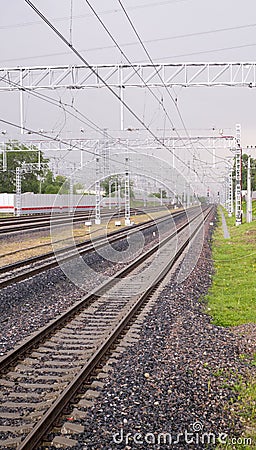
<point>59,358</point>
<point>21,270</point>
<point>20,224</point>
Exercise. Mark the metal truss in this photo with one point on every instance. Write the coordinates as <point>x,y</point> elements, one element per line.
<point>125,76</point>
<point>207,142</point>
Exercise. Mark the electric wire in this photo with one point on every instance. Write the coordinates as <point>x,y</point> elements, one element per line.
<point>74,146</point>
<point>115,42</point>
<point>82,16</point>
<point>129,61</point>
<point>76,52</point>
<point>236,47</point>
<point>157,72</point>
<point>56,103</point>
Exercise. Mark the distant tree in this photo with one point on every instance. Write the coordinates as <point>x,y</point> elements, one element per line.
<point>244,172</point>
<point>114,180</point>
<point>38,180</point>
<point>17,154</point>
<point>158,194</point>
<point>78,187</point>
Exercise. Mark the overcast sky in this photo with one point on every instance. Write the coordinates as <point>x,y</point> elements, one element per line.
<point>164,27</point>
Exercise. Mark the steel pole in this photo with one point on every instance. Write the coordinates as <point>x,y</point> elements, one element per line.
<point>127,193</point>
<point>18,191</point>
<point>238,209</point>
<point>249,193</point>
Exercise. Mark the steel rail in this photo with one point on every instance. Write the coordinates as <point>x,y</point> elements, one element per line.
<point>46,422</point>
<point>71,252</point>
<point>137,212</point>
<point>76,216</point>
<point>12,356</point>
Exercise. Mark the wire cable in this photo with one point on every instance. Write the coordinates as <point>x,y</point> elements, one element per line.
<point>56,103</point>
<point>129,61</point>
<point>157,72</point>
<point>76,52</point>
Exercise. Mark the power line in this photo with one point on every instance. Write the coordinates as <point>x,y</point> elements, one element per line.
<point>129,61</point>
<point>157,73</point>
<point>124,164</point>
<point>202,52</point>
<point>61,105</point>
<point>76,52</point>
<point>149,41</point>
<point>82,16</point>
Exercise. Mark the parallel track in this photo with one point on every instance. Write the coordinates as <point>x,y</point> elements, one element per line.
<point>10,226</point>
<point>64,353</point>
<point>21,270</point>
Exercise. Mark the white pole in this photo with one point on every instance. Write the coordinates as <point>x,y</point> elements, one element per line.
<point>127,193</point>
<point>230,192</point>
<point>249,192</point>
<point>97,190</point>
<point>81,158</point>
<point>71,190</point>
<point>18,191</point>
<point>122,99</point>
<point>116,194</point>
<point>21,104</point>
<point>238,175</point>
<point>109,194</point>
<point>173,154</point>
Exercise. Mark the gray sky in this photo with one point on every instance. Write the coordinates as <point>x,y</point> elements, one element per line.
<point>27,41</point>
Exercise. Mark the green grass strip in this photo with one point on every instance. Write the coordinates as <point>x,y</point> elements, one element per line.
<point>232,301</point>
<point>232,297</point>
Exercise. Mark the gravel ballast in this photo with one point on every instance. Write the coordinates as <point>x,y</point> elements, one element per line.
<point>26,306</point>
<point>175,380</point>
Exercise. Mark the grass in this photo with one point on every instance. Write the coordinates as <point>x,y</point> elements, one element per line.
<point>232,296</point>
<point>232,301</point>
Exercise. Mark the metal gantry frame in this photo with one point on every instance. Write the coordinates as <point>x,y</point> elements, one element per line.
<point>126,75</point>
<point>123,76</point>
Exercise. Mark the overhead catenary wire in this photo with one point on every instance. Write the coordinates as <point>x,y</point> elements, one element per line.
<point>149,41</point>
<point>74,146</point>
<point>62,106</point>
<point>129,61</point>
<point>77,53</point>
<point>71,22</point>
<point>82,16</point>
<point>157,72</point>
<point>123,54</point>
<point>56,103</point>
